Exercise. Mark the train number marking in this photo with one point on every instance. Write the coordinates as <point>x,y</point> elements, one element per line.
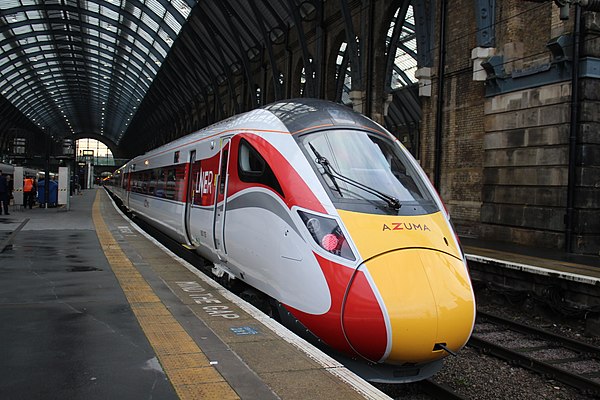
<point>200,296</point>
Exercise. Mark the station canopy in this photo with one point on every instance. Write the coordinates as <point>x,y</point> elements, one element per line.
<point>88,66</point>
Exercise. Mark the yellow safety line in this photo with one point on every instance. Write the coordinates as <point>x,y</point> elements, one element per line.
<point>187,367</point>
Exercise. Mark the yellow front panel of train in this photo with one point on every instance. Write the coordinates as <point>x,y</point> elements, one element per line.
<point>375,234</point>
<point>419,273</point>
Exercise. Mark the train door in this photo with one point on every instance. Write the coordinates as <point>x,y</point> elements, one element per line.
<point>221,200</point>
<point>127,188</point>
<point>191,184</point>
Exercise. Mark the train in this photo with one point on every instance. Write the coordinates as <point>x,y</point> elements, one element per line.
<point>8,169</point>
<point>327,217</point>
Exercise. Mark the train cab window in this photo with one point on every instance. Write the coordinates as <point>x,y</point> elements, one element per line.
<point>253,168</point>
<point>364,171</point>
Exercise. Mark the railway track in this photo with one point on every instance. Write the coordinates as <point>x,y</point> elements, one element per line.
<point>574,363</point>
<point>438,391</point>
<point>427,388</point>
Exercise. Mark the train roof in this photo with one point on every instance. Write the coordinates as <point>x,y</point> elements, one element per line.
<point>301,114</point>
<point>292,115</point>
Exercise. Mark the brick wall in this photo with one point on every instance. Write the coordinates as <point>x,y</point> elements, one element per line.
<point>505,158</point>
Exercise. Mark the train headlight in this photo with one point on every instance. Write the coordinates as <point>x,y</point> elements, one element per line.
<point>327,234</point>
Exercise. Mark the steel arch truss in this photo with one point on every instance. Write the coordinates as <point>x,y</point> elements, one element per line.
<point>84,66</point>
<point>223,43</point>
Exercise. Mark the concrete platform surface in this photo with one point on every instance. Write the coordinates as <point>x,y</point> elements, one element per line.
<point>93,308</point>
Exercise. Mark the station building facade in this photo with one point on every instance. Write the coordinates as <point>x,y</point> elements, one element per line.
<point>520,111</point>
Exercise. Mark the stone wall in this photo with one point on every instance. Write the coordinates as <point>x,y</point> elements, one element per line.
<point>505,157</point>
<point>587,195</point>
<point>526,166</point>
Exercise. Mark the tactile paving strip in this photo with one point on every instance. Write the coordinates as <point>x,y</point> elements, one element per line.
<point>185,364</point>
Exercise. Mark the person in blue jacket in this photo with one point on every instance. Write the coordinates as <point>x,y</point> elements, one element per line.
<point>3,194</point>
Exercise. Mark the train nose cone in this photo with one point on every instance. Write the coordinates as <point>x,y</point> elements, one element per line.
<point>426,299</point>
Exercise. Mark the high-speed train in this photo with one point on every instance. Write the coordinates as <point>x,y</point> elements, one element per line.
<point>328,216</point>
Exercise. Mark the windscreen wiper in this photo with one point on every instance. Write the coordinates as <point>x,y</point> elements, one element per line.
<point>327,168</point>
<point>392,201</point>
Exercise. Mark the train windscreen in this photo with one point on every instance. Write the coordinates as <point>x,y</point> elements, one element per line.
<point>367,172</point>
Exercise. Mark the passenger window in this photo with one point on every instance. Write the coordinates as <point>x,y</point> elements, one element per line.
<point>151,180</point>
<point>171,185</point>
<point>252,167</point>
<point>223,173</point>
<point>160,183</point>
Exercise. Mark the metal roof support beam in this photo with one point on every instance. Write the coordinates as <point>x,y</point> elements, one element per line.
<point>391,50</point>
<point>224,65</point>
<point>339,84</point>
<point>356,70</point>
<point>308,65</point>
<point>320,51</point>
<point>226,7</point>
<point>274,69</point>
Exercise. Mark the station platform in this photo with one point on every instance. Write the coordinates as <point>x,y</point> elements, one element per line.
<point>572,267</point>
<point>94,308</point>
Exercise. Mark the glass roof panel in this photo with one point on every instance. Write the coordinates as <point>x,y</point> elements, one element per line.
<point>91,20</point>
<point>182,7</point>
<point>172,22</point>
<point>135,11</point>
<point>93,7</point>
<point>145,35</point>
<point>153,25</point>
<point>109,13</point>
<point>20,30</point>
<point>156,6</point>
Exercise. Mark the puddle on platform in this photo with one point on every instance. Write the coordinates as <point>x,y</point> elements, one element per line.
<point>83,269</point>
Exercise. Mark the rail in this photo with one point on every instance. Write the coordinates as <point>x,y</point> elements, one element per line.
<point>539,356</point>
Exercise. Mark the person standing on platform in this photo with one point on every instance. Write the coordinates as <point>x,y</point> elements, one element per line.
<point>3,194</point>
<point>28,192</point>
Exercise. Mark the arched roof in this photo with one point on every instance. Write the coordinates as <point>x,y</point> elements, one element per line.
<point>76,66</point>
<point>84,66</point>
<point>123,69</point>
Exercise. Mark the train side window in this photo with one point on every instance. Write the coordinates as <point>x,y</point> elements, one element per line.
<point>152,178</point>
<point>160,182</point>
<point>137,182</point>
<point>171,182</point>
<point>253,168</point>
<point>144,176</point>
